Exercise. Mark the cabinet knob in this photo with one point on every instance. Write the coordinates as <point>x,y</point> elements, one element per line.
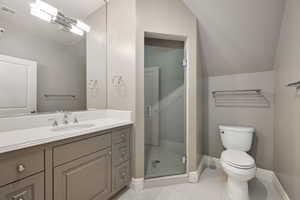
<point>21,168</point>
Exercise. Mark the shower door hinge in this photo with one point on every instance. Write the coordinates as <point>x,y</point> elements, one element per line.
<point>184,63</point>
<point>183,159</point>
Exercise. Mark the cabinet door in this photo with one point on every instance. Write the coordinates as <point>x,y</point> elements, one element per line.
<point>88,178</point>
<point>31,188</point>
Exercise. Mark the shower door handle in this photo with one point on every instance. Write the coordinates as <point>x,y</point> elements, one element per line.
<point>149,111</point>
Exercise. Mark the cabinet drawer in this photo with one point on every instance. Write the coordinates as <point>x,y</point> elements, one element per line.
<point>18,165</point>
<point>31,188</point>
<point>121,136</point>
<point>120,153</point>
<point>121,176</point>
<point>68,152</point>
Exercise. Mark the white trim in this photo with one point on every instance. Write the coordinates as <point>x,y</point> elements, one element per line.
<point>195,175</point>
<point>271,177</point>
<point>263,174</point>
<point>137,184</point>
<point>279,188</point>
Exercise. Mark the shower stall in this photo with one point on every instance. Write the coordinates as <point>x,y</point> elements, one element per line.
<point>165,135</point>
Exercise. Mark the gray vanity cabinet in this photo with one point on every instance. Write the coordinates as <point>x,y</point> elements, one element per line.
<point>91,167</point>
<point>88,178</point>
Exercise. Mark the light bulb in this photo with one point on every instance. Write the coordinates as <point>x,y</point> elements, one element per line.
<point>43,6</point>
<point>76,30</point>
<point>40,14</point>
<point>83,26</point>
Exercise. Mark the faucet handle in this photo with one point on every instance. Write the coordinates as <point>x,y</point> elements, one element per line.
<point>55,123</point>
<point>66,114</point>
<point>76,120</point>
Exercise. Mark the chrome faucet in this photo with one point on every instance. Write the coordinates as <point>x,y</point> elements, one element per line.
<point>54,122</point>
<point>76,120</point>
<point>66,118</point>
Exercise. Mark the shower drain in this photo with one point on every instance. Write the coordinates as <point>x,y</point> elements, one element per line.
<point>155,163</point>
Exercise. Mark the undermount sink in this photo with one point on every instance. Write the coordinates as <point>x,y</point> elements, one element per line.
<point>72,127</point>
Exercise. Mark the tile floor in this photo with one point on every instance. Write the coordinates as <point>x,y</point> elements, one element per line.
<point>210,187</point>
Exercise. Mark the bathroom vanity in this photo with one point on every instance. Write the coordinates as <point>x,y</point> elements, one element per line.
<point>74,164</point>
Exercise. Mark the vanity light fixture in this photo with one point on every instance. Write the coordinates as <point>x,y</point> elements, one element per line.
<point>43,11</point>
<point>51,14</point>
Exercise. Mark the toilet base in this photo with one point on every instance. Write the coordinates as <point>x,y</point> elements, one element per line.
<point>237,190</point>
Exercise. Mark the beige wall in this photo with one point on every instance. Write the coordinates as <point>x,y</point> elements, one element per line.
<point>121,63</point>
<point>167,17</point>
<point>259,118</point>
<point>237,36</point>
<point>96,60</point>
<point>287,113</point>
<point>121,16</point>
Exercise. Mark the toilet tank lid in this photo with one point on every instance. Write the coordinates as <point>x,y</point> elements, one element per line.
<point>237,128</point>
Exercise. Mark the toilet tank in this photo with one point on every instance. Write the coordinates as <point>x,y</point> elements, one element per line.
<point>237,138</point>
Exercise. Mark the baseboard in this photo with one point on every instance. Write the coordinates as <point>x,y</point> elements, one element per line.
<point>264,174</point>
<point>195,175</point>
<point>280,188</point>
<point>137,184</point>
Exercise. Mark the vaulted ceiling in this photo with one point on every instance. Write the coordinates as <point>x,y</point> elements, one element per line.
<point>237,36</point>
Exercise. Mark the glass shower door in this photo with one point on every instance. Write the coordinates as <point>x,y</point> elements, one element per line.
<point>165,148</point>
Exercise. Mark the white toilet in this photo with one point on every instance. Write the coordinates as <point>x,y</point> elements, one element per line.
<point>237,164</point>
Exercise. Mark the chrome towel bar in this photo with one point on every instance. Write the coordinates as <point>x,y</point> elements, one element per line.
<point>295,84</point>
<point>58,96</point>
<point>236,92</point>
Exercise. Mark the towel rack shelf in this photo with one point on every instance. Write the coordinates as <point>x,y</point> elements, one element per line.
<point>240,98</point>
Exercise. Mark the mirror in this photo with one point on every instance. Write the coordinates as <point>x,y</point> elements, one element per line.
<point>52,55</point>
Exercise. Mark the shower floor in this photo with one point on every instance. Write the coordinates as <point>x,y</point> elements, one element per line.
<point>164,160</point>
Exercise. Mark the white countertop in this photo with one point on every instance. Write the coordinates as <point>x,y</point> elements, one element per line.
<point>24,138</point>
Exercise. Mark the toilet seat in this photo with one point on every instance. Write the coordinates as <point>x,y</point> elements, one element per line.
<point>238,159</point>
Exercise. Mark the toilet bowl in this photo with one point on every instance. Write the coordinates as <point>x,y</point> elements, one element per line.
<point>240,168</point>
<point>237,164</point>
